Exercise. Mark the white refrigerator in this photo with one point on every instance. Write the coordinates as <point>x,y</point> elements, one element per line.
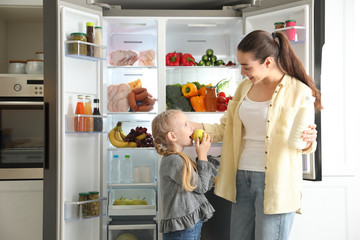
<point>78,162</point>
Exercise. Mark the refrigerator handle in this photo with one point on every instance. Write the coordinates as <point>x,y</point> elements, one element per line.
<point>47,135</point>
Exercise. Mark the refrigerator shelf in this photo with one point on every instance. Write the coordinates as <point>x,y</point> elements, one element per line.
<point>132,185</point>
<point>74,48</point>
<point>73,211</point>
<point>71,121</point>
<point>201,67</point>
<point>137,67</point>
<point>137,148</point>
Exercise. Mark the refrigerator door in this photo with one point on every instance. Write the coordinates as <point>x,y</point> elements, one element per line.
<point>303,45</point>
<point>74,157</point>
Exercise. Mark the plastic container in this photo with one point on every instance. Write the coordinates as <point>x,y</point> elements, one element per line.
<point>304,117</point>
<point>90,35</point>
<point>210,99</point>
<point>17,67</point>
<point>98,121</point>
<point>126,170</point>
<point>98,40</point>
<point>115,169</point>
<point>279,25</point>
<point>39,55</point>
<point>34,66</point>
<point>78,48</point>
<point>291,33</point>
<point>83,209</point>
<point>79,121</point>
<point>89,121</point>
<point>94,207</point>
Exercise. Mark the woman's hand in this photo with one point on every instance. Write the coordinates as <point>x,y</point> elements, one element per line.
<point>203,147</point>
<point>309,135</point>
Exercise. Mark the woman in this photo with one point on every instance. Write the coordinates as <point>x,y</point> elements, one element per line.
<point>260,173</point>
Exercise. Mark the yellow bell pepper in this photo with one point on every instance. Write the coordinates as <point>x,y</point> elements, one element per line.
<point>189,90</point>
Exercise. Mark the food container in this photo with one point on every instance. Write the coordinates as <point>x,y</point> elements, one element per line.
<point>291,33</point>
<point>39,55</point>
<point>17,67</point>
<point>34,66</point>
<point>94,207</point>
<point>78,48</point>
<point>83,208</point>
<point>210,99</point>
<point>279,25</point>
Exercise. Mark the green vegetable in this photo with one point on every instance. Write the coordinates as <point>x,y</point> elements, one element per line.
<point>175,99</point>
<point>209,52</point>
<point>218,62</point>
<point>205,58</point>
<point>213,58</point>
<point>208,63</point>
<point>202,63</point>
<point>198,85</point>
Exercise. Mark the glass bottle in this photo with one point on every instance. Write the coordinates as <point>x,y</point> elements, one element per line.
<point>210,99</point>
<point>83,209</point>
<point>115,169</point>
<point>94,208</point>
<point>88,111</point>
<point>98,121</point>
<point>90,38</point>
<point>79,121</point>
<point>98,40</point>
<point>304,117</point>
<point>78,48</point>
<point>126,170</point>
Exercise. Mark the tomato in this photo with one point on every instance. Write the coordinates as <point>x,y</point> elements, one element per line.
<point>221,99</point>
<point>221,107</point>
<point>221,94</point>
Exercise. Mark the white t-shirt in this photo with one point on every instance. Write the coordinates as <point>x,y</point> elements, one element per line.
<point>253,116</point>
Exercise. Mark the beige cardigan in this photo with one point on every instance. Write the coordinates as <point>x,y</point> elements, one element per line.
<point>283,165</point>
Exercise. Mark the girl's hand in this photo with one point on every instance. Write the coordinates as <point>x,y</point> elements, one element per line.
<point>203,147</point>
<point>310,135</point>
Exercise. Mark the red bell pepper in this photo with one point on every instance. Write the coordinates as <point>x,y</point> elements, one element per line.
<point>187,60</point>
<point>173,59</point>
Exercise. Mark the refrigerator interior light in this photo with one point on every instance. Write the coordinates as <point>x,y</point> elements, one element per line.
<point>202,25</point>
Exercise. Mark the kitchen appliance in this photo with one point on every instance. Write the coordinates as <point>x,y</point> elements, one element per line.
<point>80,162</point>
<point>22,126</point>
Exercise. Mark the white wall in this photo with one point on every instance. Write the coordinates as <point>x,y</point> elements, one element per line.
<point>330,207</point>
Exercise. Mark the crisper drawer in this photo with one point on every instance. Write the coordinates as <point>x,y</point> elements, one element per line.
<point>132,232</point>
<point>132,202</point>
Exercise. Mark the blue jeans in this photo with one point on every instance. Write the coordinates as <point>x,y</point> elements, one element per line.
<point>192,233</point>
<point>248,221</point>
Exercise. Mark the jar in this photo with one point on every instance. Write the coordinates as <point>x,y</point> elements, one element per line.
<point>78,48</point>
<point>17,67</point>
<point>94,208</point>
<point>39,55</point>
<point>98,40</point>
<point>34,66</point>
<point>279,25</point>
<point>83,208</point>
<point>291,33</point>
<point>210,99</point>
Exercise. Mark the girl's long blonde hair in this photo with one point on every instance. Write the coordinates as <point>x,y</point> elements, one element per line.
<point>161,125</point>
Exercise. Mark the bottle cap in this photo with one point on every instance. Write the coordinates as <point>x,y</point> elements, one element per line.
<point>116,156</point>
<point>291,20</point>
<point>98,27</point>
<point>94,192</point>
<point>127,156</point>
<point>89,24</point>
<point>84,193</point>
<point>96,100</point>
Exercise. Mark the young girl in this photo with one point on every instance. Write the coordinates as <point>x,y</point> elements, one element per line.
<point>183,181</point>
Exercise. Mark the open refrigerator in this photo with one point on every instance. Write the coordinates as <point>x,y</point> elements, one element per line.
<point>78,162</point>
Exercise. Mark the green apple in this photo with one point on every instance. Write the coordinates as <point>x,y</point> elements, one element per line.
<point>198,133</point>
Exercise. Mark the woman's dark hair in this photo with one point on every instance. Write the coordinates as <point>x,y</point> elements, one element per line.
<point>263,44</point>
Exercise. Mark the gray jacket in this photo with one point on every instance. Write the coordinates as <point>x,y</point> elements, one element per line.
<point>182,209</point>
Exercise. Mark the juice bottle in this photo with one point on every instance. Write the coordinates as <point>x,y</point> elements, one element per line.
<point>88,111</point>
<point>79,121</point>
<point>98,121</point>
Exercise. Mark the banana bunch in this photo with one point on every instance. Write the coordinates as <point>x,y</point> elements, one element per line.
<point>117,136</point>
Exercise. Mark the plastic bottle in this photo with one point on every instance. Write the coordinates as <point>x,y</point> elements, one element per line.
<point>126,170</point>
<point>89,121</point>
<point>115,169</point>
<point>98,121</point>
<point>79,121</point>
<point>98,40</point>
<point>90,38</point>
<point>304,117</point>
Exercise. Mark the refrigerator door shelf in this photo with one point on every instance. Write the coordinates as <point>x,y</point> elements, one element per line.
<point>132,185</point>
<point>74,49</point>
<point>74,211</point>
<point>86,120</point>
<point>126,231</point>
<point>296,34</point>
